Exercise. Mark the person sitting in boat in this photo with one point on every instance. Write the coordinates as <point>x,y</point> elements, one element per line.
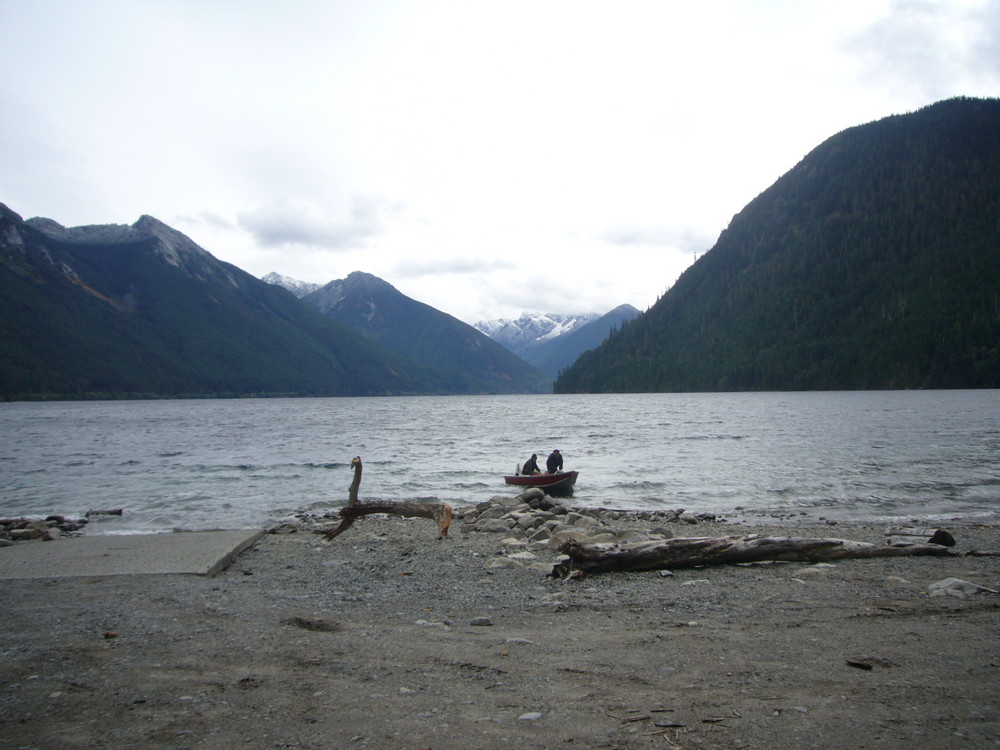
<point>531,465</point>
<point>554,462</point>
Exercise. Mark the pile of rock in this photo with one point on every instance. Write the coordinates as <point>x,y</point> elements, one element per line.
<point>537,518</point>
<point>531,527</point>
<point>28,529</point>
<point>534,517</point>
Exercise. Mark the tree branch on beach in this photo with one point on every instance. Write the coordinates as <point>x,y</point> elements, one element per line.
<point>692,552</point>
<point>439,512</point>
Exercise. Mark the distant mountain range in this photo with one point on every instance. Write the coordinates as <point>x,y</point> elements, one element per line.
<point>531,331</point>
<point>549,341</point>
<point>552,342</point>
<point>142,311</point>
<point>874,263</point>
<point>425,335</point>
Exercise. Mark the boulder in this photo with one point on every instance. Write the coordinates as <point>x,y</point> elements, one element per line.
<point>495,525</point>
<point>532,493</point>
<point>604,537</point>
<point>541,535</point>
<point>562,536</point>
<point>543,503</point>
<point>529,520</point>
<point>27,533</point>
<point>662,531</point>
<point>513,541</point>
<point>958,588</point>
<point>493,511</point>
<point>582,521</point>
<point>522,555</point>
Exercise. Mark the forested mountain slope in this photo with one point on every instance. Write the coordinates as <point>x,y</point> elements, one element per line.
<point>141,310</point>
<point>427,336</point>
<point>873,263</point>
<point>562,351</point>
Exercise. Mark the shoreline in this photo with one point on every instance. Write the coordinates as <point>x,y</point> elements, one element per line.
<point>83,525</point>
<point>389,637</point>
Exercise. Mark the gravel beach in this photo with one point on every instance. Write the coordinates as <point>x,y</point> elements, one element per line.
<point>389,637</point>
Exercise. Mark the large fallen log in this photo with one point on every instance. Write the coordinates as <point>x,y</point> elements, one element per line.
<point>692,552</point>
<point>439,512</point>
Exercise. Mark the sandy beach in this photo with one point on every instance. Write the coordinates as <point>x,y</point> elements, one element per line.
<point>389,637</point>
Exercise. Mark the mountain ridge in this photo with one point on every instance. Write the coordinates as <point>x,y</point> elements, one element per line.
<point>547,341</point>
<point>424,334</point>
<point>560,353</point>
<point>124,311</point>
<point>873,263</point>
<point>530,331</point>
<point>299,288</point>
<point>552,341</point>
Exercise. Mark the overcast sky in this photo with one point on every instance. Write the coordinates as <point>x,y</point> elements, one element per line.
<point>485,157</point>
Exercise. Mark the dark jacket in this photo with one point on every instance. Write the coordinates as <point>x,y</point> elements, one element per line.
<point>554,462</point>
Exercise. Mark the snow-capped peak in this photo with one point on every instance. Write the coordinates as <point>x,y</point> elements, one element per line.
<point>531,329</point>
<point>299,288</point>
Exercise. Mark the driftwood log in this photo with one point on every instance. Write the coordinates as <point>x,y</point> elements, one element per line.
<point>904,535</point>
<point>439,512</point>
<point>688,553</point>
<point>109,512</point>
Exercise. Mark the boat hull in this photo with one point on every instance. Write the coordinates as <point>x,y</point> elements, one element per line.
<point>560,483</point>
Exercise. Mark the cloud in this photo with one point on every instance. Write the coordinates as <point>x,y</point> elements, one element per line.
<point>310,223</point>
<point>929,48</point>
<point>685,239</point>
<point>208,219</point>
<point>544,151</point>
<point>987,49</point>
<point>452,266</point>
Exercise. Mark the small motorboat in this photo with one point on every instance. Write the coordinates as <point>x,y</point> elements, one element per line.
<point>560,483</point>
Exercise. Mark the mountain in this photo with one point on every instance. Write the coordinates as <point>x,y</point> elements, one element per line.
<point>552,342</point>
<point>299,288</point>
<point>141,310</point>
<point>556,354</point>
<point>530,332</point>
<point>425,335</point>
<point>873,263</point>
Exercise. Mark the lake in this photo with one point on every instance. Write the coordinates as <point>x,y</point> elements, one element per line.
<point>198,464</point>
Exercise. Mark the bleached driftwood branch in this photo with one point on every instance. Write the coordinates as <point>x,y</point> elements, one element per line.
<point>439,512</point>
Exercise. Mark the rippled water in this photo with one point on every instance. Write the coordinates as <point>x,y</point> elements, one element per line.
<point>235,463</point>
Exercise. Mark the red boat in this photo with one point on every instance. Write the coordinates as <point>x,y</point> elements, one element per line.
<point>560,483</point>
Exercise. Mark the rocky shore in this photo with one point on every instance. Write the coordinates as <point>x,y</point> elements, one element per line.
<point>45,529</point>
<point>533,519</point>
<point>391,637</point>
